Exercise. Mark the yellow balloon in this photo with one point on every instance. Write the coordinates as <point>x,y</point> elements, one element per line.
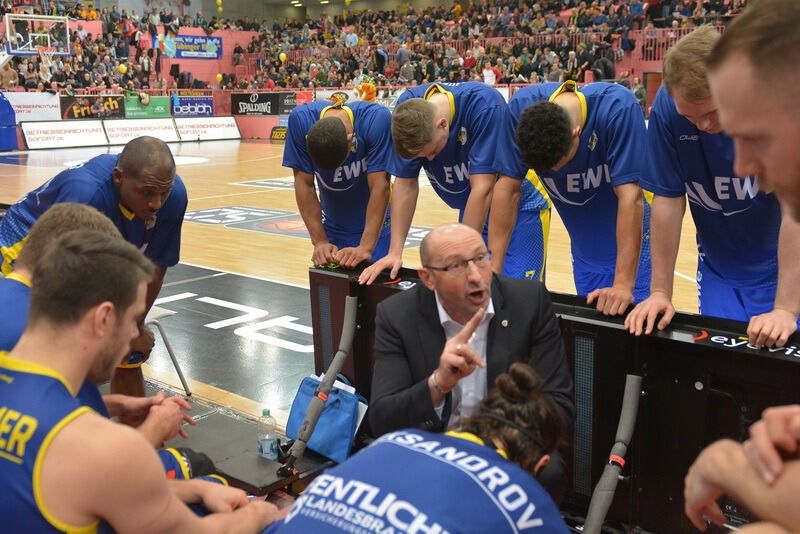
<point>219,2</point>
<point>219,9</point>
<point>282,57</point>
<point>122,68</point>
<point>219,77</point>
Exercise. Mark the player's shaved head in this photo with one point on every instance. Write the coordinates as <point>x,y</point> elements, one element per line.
<point>148,155</point>
<point>431,241</point>
<point>58,220</point>
<point>327,143</point>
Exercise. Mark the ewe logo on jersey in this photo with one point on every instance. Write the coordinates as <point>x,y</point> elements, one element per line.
<point>725,188</point>
<point>456,178</point>
<point>345,173</point>
<point>578,182</point>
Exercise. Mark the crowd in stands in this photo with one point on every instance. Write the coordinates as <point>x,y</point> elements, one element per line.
<point>497,42</point>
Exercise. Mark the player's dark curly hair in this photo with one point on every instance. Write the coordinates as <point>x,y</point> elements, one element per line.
<point>517,398</point>
<point>544,135</point>
<point>327,143</point>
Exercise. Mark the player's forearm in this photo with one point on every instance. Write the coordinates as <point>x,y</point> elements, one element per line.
<point>154,287</point>
<point>376,211</point>
<point>404,203</point>
<point>728,469</point>
<point>480,197</point>
<point>311,213</point>
<point>665,236</point>
<point>630,211</point>
<point>787,296</point>
<point>151,430</point>
<point>503,217</point>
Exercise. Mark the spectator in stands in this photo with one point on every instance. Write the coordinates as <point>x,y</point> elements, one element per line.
<point>30,76</point>
<point>199,20</point>
<point>8,77</point>
<point>640,92</point>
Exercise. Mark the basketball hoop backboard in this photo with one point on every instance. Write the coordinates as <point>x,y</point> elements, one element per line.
<point>32,35</point>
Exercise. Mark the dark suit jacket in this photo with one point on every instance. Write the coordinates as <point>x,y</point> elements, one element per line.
<point>409,340</point>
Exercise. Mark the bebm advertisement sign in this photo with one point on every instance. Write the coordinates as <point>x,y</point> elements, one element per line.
<point>192,106</point>
<point>254,103</point>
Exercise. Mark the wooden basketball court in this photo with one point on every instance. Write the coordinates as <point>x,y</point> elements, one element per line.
<point>253,229</point>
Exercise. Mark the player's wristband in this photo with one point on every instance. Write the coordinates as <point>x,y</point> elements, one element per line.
<point>135,360</point>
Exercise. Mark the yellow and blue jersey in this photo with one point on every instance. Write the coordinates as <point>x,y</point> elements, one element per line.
<point>35,405</point>
<point>15,294</point>
<point>344,192</point>
<point>397,483</point>
<point>91,183</point>
<point>476,114</point>
<point>737,223</point>
<point>610,153</point>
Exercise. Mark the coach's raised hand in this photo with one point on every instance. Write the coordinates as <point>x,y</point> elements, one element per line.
<point>458,360</point>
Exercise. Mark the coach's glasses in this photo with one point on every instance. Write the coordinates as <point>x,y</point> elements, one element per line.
<point>481,261</point>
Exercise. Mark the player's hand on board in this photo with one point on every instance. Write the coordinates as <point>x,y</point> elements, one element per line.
<point>645,314</point>
<point>771,329</point>
<point>612,300</point>
<point>352,256</point>
<point>393,263</point>
<point>324,253</point>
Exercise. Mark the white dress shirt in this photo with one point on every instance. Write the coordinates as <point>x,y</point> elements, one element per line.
<point>470,390</point>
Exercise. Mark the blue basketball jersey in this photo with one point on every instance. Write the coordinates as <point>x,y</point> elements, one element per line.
<point>35,404</point>
<point>15,294</point>
<point>416,481</point>
<point>476,113</point>
<point>610,153</point>
<point>737,224</point>
<point>344,191</point>
<point>91,183</point>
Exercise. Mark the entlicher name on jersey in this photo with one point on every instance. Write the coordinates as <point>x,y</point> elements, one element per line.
<point>376,510</point>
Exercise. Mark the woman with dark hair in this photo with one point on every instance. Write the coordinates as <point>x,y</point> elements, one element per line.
<point>480,478</point>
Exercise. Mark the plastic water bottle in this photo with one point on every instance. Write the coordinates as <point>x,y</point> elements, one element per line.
<point>267,437</point>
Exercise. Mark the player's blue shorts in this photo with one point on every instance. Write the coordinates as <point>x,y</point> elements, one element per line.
<point>733,300</point>
<point>588,277</point>
<point>342,240</point>
<point>527,249</point>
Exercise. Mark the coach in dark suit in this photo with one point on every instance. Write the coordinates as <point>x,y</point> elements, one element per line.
<point>451,337</point>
